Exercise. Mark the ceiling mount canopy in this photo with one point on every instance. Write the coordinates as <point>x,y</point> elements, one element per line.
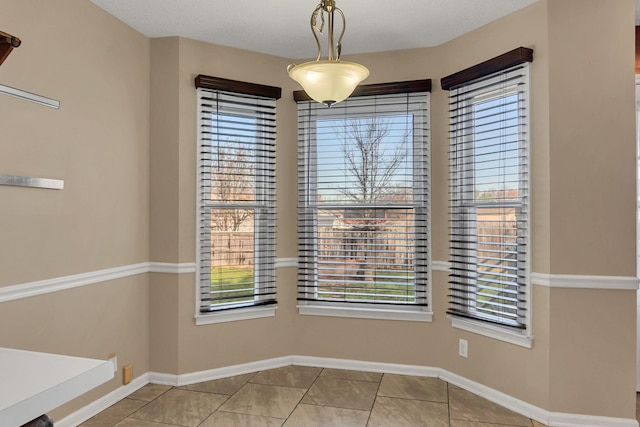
<point>328,80</point>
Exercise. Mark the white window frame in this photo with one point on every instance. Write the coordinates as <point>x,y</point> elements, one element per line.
<point>523,338</point>
<point>371,311</point>
<point>242,311</point>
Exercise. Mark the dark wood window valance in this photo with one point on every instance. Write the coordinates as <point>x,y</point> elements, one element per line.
<point>410,86</point>
<point>506,60</point>
<point>7,44</point>
<point>217,83</point>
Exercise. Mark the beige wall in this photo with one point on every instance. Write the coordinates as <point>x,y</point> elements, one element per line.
<point>98,143</point>
<point>173,214</point>
<point>129,164</point>
<point>591,110</point>
<point>592,203</point>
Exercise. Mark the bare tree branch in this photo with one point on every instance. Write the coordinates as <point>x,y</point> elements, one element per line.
<point>370,161</point>
<point>232,180</point>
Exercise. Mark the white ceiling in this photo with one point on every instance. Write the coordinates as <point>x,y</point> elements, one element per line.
<point>281,27</point>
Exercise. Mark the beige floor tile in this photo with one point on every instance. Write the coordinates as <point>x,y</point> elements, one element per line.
<point>222,386</point>
<point>326,416</point>
<point>114,413</point>
<point>220,418</point>
<point>181,407</point>
<point>467,406</point>
<point>149,392</point>
<point>416,388</point>
<point>390,411</point>
<point>302,396</point>
<point>351,375</point>
<point>266,400</point>
<point>288,376</point>
<point>131,422</point>
<point>339,393</point>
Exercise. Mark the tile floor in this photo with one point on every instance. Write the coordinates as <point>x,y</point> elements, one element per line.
<point>306,396</point>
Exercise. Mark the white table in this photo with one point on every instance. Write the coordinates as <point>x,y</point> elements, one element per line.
<point>31,383</point>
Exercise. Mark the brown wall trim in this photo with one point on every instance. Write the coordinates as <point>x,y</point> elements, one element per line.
<point>379,89</point>
<point>506,60</point>
<point>217,83</point>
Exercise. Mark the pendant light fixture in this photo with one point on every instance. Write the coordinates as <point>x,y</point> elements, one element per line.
<point>330,80</point>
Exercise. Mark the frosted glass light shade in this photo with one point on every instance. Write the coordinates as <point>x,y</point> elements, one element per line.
<point>328,81</point>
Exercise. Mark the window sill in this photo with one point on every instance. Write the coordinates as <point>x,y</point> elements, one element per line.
<point>491,331</point>
<point>366,313</point>
<point>235,315</point>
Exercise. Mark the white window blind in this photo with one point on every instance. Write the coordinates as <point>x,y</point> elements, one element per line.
<point>489,189</point>
<point>236,199</point>
<point>363,201</point>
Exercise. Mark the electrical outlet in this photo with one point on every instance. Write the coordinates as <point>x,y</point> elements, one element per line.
<point>113,358</point>
<point>463,348</point>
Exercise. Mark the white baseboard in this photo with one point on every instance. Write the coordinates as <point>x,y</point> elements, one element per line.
<point>557,419</point>
<point>224,372</point>
<point>358,365</point>
<point>103,403</point>
<point>552,419</point>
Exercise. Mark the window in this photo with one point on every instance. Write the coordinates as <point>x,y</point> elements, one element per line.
<point>236,197</point>
<point>489,189</point>
<point>363,209</point>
